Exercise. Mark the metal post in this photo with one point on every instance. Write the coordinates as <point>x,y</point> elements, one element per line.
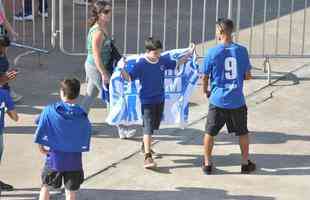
<point>86,25</point>
<point>304,28</point>
<point>33,23</point>
<point>291,26</point>
<point>24,25</point>
<point>204,25</point>
<point>73,26</point>
<point>238,20</point>
<point>152,13</point>
<point>178,21</point>
<point>165,25</point>
<point>264,26</point>
<point>53,24</point>
<point>113,9</point>
<point>191,22</point>
<point>278,26</point>
<point>139,24</point>
<point>14,13</point>
<point>217,15</point>
<point>252,25</point>
<point>125,27</point>
<point>268,66</point>
<point>43,22</point>
<point>230,9</point>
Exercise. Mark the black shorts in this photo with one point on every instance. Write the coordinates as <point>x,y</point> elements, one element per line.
<point>71,179</point>
<point>151,115</point>
<point>235,120</point>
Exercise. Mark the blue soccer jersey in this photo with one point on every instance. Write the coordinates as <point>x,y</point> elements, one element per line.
<point>226,66</point>
<point>6,102</point>
<point>151,77</point>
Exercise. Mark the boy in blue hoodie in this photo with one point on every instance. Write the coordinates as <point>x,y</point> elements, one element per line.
<point>63,133</point>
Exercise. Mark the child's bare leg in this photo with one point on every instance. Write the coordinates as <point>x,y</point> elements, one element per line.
<point>44,193</point>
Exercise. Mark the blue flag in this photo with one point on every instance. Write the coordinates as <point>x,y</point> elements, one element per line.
<point>64,127</point>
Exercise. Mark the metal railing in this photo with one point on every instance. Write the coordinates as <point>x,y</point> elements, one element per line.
<point>259,25</point>
<point>32,31</point>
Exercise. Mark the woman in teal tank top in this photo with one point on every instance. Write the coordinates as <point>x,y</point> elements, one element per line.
<point>98,52</point>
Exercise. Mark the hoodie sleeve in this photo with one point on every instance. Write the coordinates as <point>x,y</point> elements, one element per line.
<point>42,129</point>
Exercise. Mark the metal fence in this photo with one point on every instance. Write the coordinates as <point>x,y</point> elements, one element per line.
<point>267,27</point>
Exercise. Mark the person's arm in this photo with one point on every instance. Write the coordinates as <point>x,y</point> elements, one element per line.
<point>207,65</point>
<point>6,23</point>
<point>205,85</point>
<point>13,115</point>
<point>248,74</point>
<point>10,29</point>
<point>125,75</point>
<point>11,75</point>
<point>10,107</point>
<point>97,41</point>
<point>42,149</point>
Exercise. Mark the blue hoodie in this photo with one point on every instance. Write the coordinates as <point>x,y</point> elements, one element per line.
<point>64,127</point>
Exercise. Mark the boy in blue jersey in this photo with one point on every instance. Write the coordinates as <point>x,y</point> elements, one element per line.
<point>6,106</point>
<point>150,71</point>
<point>63,166</point>
<point>226,66</point>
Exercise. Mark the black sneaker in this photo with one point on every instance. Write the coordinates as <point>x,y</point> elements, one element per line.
<point>248,168</point>
<point>6,187</point>
<point>207,169</point>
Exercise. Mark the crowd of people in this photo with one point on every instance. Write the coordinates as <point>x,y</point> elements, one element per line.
<point>226,67</point>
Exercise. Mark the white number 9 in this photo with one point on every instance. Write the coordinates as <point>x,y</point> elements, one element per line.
<point>230,68</point>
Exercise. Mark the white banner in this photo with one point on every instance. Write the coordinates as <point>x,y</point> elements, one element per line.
<point>125,106</point>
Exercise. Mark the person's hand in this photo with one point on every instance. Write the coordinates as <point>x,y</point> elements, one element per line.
<point>192,47</point>
<point>105,79</point>
<point>11,75</point>
<point>43,150</point>
<point>125,75</point>
<point>122,63</point>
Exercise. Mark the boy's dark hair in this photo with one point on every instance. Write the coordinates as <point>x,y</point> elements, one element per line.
<point>151,44</point>
<point>225,25</point>
<point>70,88</point>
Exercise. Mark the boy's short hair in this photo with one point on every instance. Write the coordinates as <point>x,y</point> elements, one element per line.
<point>225,25</point>
<point>151,44</point>
<point>71,88</point>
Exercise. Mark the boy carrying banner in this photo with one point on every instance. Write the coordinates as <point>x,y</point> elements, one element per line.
<point>150,71</point>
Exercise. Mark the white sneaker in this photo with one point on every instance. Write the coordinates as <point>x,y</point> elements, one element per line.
<point>45,14</point>
<point>16,97</point>
<point>121,133</point>
<point>21,17</point>
<point>130,133</point>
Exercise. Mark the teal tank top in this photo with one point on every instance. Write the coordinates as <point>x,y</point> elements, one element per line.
<point>105,49</point>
